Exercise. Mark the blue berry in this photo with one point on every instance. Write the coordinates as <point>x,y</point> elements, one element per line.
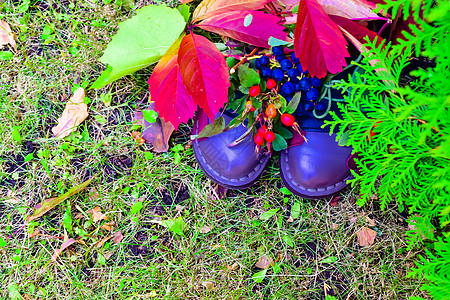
<point>288,98</point>
<point>312,94</point>
<point>257,64</point>
<point>265,72</point>
<point>277,74</point>
<point>300,68</point>
<point>305,84</point>
<point>316,82</point>
<point>293,73</point>
<point>297,86</point>
<point>285,64</point>
<point>300,109</point>
<point>320,107</point>
<point>280,58</point>
<point>294,58</point>
<point>277,50</point>
<point>264,61</point>
<point>287,88</point>
<point>309,106</point>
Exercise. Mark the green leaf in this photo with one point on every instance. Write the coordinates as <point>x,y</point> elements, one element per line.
<point>13,290</point>
<point>277,268</point>
<point>279,143</point>
<point>248,77</point>
<point>296,209</point>
<point>48,204</point>
<point>174,225</point>
<point>148,155</point>
<point>343,140</point>
<point>268,214</point>
<point>248,20</point>
<point>16,134</point>
<point>6,55</point>
<point>285,191</point>
<point>100,119</point>
<point>2,242</point>
<point>101,259</point>
<point>329,260</point>
<point>140,41</point>
<point>288,240</point>
<point>29,157</point>
<point>184,11</point>
<point>150,115</point>
<point>293,104</point>
<point>67,220</point>
<point>136,207</point>
<point>273,42</point>
<point>23,7</point>
<point>259,277</point>
<point>284,132</point>
<point>212,129</point>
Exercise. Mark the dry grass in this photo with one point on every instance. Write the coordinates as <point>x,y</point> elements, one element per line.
<point>151,261</point>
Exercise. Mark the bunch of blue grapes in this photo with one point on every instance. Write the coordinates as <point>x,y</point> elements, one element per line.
<point>291,78</point>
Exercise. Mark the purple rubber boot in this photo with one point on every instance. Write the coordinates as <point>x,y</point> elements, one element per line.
<point>234,167</point>
<point>318,167</point>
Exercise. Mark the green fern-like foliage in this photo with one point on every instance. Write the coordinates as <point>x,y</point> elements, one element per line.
<point>402,133</point>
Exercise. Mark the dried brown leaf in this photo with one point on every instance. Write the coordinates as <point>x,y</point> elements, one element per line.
<point>63,247</point>
<point>205,229</point>
<point>6,35</point>
<point>233,267</point>
<point>209,285</point>
<point>157,133</point>
<point>108,226</point>
<point>366,236</point>
<point>290,219</point>
<point>264,262</point>
<point>35,233</point>
<point>74,113</point>
<point>371,222</point>
<point>117,237</point>
<point>100,243</point>
<point>97,215</point>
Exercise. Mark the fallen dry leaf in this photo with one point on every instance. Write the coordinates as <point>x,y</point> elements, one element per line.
<point>6,35</point>
<point>50,203</point>
<point>108,254</point>
<point>366,236</point>
<point>97,215</point>
<point>108,226</point>
<point>35,233</point>
<point>157,133</point>
<point>117,237</point>
<point>100,243</point>
<point>335,226</point>
<point>334,201</point>
<point>233,267</point>
<point>209,285</point>
<point>264,262</point>
<point>371,222</point>
<point>60,250</point>
<point>290,219</point>
<point>94,196</point>
<point>179,207</point>
<point>205,229</point>
<point>74,113</point>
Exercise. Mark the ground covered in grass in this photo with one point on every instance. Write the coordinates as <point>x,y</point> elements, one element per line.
<point>161,229</point>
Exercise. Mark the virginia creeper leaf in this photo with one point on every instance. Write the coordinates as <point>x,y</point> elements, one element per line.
<point>204,72</point>
<point>357,31</point>
<point>50,203</point>
<point>140,41</point>
<point>171,97</point>
<point>231,24</point>
<point>209,8</point>
<point>214,128</point>
<point>318,43</point>
<point>350,9</point>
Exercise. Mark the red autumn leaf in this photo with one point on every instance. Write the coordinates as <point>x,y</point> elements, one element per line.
<point>318,42</point>
<point>357,32</point>
<point>204,72</point>
<point>209,8</point>
<point>172,100</point>
<point>351,9</point>
<point>261,28</point>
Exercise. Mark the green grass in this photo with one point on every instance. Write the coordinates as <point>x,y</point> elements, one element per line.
<point>151,261</point>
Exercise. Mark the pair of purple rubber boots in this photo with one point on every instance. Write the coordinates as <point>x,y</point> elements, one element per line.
<point>315,168</point>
